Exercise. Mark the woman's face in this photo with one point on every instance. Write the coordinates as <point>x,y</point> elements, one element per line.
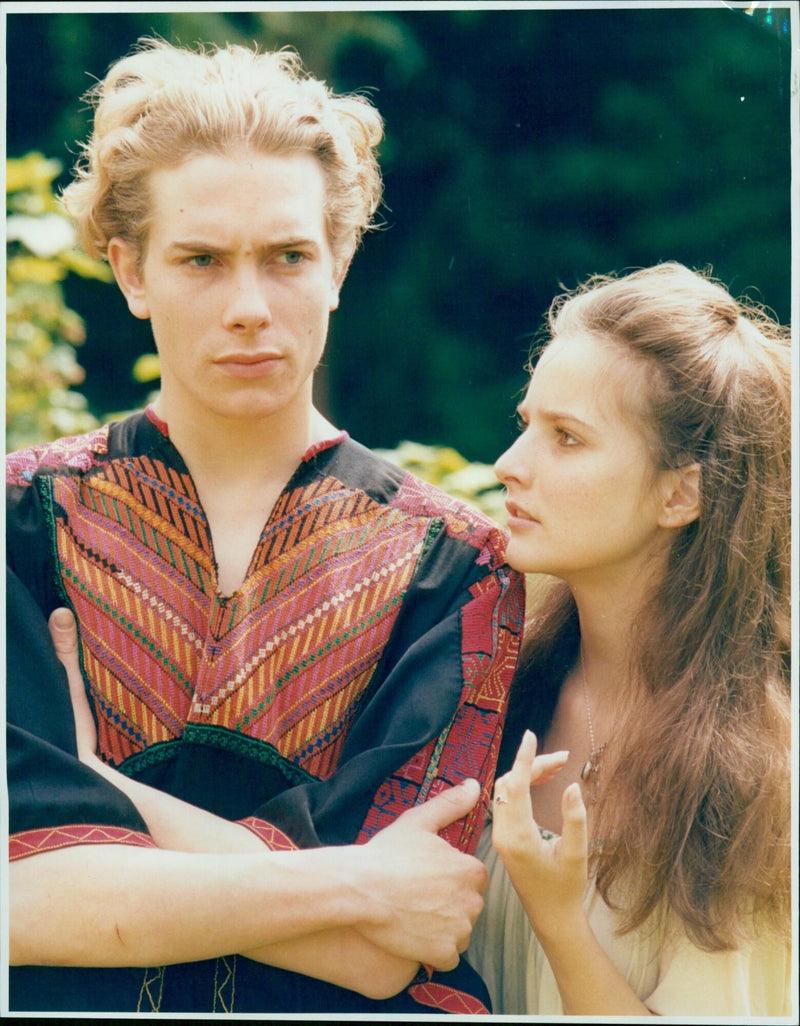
<point>584,494</point>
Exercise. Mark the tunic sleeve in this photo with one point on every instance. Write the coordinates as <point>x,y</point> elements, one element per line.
<point>54,800</point>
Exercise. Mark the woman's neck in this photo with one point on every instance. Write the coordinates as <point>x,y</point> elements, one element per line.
<point>608,612</point>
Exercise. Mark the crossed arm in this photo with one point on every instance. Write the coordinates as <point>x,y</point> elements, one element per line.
<point>360,916</point>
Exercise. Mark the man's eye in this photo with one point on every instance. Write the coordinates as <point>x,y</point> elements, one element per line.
<point>292,257</point>
<point>201,260</point>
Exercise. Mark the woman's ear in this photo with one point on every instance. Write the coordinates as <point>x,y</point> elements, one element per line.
<point>125,260</point>
<point>681,502</point>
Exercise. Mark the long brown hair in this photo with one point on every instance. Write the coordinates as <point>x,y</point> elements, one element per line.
<point>695,814</point>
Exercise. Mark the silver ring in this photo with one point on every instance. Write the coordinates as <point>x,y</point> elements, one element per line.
<point>500,800</point>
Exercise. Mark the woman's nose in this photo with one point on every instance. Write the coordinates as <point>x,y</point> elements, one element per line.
<point>510,466</point>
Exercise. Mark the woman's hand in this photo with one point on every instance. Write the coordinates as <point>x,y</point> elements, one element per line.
<point>64,632</point>
<point>549,874</point>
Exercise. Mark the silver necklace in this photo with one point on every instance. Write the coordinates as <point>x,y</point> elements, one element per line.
<point>591,767</point>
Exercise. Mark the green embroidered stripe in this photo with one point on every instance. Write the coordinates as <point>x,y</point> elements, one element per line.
<point>240,744</point>
<point>130,627</point>
<point>312,657</point>
<point>153,755</point>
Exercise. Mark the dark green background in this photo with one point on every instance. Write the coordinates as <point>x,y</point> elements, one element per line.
<point>524,149</point>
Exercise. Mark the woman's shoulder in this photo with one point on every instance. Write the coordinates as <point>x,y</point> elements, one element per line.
<point>753,979</point>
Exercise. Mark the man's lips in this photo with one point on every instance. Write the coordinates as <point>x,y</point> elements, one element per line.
<point>249,357</point>
<point>250,364</point>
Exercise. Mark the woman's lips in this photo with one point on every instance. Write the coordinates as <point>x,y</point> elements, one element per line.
<point>518,515</point>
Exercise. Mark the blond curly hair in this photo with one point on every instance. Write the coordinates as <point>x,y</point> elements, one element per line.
<point>162,105</point>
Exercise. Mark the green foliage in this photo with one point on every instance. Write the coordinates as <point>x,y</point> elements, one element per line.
<point>473,483</point>
<point>519,155</point>
<point>41,331</point>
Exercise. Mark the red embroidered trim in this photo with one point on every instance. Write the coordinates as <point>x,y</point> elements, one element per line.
<point>447,999</point>
<point>273,838</point>
<point>32,842</point>
<point>154,419</point>
<point>326,443</point>
<point>77,451</point>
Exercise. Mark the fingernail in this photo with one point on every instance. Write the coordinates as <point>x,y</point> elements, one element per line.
<point>574,794</point>
<point>62,619</point>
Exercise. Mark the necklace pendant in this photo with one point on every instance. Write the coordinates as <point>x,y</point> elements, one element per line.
<point>588,769</point>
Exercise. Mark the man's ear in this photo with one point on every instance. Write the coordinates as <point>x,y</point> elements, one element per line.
<point>124,258</point>
<point>339,274</point>
<point>681,502</point>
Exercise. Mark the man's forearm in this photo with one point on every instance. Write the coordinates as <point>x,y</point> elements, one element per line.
<point>114,905</point>
<point>339,955</point>
<point>342,956</point>
<point>405,897</point>
<point>176,825</point>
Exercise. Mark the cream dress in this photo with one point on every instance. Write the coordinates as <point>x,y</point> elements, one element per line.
<point>672,978</point>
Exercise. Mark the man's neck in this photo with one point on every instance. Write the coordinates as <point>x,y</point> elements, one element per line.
<point>236,453</point>
<point>239,469</point>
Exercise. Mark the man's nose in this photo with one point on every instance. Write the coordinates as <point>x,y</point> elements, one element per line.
<point>248,307</point>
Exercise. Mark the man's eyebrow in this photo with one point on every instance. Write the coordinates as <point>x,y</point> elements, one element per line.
<point>201,246</point>
<point>194,246</point>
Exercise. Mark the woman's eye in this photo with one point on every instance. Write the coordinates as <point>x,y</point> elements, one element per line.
<point>565,438</point>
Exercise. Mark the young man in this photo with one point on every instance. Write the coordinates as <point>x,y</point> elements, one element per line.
<point>285,642</point>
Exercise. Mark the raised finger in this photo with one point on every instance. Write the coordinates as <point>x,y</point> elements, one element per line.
<point>516,782</point>
<point>526,752</point>
<point>545,767</point>
<point>574,835</point>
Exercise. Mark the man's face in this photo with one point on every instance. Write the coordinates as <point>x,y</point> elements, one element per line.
<point>238,281</point>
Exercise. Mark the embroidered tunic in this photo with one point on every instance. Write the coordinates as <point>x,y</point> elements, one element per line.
<point>362,666</point>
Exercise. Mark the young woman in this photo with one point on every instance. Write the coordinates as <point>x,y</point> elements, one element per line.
<point>651,714</point>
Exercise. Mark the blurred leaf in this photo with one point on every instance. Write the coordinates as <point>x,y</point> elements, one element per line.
<point>147,368</point>
<point>41,330</point>
<point>473,483</point>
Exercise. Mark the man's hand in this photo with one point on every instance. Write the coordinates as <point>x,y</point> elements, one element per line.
<point>64,632</point>
<point>426,895</point>
<point>422,896</point>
